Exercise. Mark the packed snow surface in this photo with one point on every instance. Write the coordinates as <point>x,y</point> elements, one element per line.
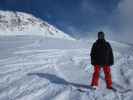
<point>38,68</point>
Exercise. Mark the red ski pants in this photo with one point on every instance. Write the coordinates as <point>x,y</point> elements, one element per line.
<point>107,73</point>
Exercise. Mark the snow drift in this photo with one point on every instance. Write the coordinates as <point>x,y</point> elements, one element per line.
<point>32,70</point>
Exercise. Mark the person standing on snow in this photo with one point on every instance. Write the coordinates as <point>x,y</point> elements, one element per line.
<point>101,57</point>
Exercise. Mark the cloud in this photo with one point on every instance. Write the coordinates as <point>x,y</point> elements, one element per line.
<point>87,7</point>
<point>125,20</point>
<point>116,20</point>
<point>126,14</point>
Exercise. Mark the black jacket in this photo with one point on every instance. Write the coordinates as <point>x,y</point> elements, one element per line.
<point>101,53</point>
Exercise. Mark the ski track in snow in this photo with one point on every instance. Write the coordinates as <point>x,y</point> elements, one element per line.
<point>49,74</point>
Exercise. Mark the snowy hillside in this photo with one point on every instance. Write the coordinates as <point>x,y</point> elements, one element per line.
<point>32,70</point>
<point>18,23</point>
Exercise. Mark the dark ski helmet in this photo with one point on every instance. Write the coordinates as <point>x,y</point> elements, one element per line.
<point>100,35</point>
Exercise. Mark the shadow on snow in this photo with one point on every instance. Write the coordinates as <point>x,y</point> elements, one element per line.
<point>58,80</point>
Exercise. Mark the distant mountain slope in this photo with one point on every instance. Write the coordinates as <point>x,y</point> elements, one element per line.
<point>19,23</point>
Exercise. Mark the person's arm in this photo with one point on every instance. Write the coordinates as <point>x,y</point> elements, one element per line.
<point>111,56</point>
<point>92,54</point>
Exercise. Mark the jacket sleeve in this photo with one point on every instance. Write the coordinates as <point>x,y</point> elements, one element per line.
<point>92,54</point>
<point>111,56</point>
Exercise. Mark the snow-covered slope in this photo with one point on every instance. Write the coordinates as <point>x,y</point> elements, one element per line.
<point>18,23</point>
<point>32,70</point>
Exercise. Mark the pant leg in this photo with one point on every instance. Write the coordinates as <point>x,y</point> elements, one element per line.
<point>95,77</point>
<point>107,72</point>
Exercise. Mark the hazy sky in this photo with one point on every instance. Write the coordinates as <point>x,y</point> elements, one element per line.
<point>81,18</point>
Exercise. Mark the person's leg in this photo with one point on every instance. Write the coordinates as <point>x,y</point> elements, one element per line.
<point>95,77</point>
<point>108,78</point>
